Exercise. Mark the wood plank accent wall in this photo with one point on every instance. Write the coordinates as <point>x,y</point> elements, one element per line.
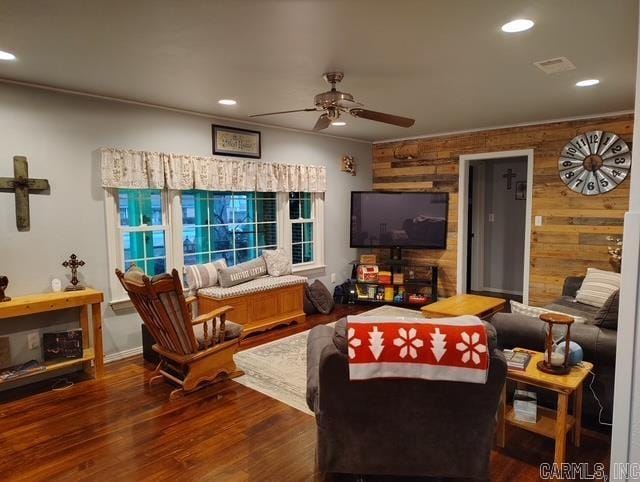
<point>575,227</point>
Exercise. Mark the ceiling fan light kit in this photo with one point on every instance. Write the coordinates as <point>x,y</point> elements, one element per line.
<point>333,103</point>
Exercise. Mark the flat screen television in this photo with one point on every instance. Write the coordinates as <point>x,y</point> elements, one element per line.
<point>399,219</point>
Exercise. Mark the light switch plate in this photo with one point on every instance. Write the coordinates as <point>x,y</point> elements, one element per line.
<point>333,278</point>
<point>537,221</point>
<point>492,218</point>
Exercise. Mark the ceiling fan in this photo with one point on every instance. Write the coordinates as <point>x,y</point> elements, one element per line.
<point>334,103</point>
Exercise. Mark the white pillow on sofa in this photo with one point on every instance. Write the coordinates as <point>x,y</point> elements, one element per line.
<point>597,287</point>
<point>536,311</point>
<point>277,260</point>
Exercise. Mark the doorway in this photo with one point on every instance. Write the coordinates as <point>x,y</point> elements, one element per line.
<point>494,235</point>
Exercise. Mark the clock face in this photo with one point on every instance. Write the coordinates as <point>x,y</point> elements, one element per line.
<point>594,163</point>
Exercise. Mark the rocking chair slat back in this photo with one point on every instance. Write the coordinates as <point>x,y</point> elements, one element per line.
<point>160,302</point>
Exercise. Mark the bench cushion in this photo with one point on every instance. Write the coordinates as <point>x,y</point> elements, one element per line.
<point>258,285</point>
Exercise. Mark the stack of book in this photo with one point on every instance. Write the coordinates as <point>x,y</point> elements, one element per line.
<point>517,360</point>
<point>20,370</point>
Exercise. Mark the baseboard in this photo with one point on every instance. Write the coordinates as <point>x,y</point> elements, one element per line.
<point>506,292</point>
<point>123,354</point>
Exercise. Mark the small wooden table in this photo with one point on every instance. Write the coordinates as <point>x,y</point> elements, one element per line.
<point>551,423</point>
<point>481,306</point>
<point>45,302</point>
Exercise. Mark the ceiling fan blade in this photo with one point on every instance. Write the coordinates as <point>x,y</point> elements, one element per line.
<point>322,123</point>
<point>310,109</point>
<point>396,120</point>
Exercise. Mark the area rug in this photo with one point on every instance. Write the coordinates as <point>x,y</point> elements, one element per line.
<point>279,368</point>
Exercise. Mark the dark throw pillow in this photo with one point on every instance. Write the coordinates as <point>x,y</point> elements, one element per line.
<point>307,304</point>
<point>321,297</point>
<point>607,316</point>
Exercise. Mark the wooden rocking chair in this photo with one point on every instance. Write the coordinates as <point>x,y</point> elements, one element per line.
<point>190,354</point>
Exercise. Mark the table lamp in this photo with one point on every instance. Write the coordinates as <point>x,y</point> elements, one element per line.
<point>556,363</point>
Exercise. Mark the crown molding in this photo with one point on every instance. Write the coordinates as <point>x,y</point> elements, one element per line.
<point>206,115</point>
<point>507,126</point>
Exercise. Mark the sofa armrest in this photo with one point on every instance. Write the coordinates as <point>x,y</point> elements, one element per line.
<point>319,337</point>
<point>598,344</point>
<point>515,330</point>
<point>572,285</point>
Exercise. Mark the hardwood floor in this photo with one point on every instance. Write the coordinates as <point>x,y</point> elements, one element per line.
<point>118,428</point>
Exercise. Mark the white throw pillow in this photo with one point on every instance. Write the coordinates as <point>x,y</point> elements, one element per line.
<point>536,311</point>
<point>597,287</point>
<point>277,260</point>
<point>198,276</point>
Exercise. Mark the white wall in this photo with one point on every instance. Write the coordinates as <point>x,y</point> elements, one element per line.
<point>60,134</point>
<point>625,440</point>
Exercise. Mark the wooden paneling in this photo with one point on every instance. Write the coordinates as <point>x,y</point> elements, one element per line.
<point>575,227</point>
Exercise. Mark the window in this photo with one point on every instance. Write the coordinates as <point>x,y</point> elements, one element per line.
<point>301,218</point>
<point>142,230</point>
<point>159,230</point>
<point>235,226</point>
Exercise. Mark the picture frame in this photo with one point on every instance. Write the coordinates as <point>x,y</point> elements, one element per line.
<point>521,191</point>
<point>236,142</point>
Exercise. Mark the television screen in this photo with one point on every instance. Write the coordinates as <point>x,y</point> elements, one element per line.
<point>399,219</point>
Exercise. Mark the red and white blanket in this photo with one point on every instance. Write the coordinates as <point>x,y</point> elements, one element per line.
<point>454,349</point>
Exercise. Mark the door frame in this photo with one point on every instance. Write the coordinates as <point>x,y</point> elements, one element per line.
<point>463,215</point>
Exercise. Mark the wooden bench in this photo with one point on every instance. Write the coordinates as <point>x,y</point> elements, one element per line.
<point>259,304</point>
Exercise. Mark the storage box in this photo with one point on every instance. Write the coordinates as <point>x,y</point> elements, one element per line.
<point>525,406</point>
<point>367,273</point>
<point>368,259</point>
<point>384,277</point>
<point>62,345</point>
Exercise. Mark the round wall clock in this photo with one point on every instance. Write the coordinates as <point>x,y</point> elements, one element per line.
<point>594,163</point>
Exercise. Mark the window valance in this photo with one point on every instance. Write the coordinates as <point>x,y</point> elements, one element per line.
<point>124,168</point>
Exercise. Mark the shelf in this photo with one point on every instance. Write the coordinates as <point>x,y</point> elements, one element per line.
<point>546,424</point>
<point>407,282</point>
<point>44,302</point>
<point>87,355</point>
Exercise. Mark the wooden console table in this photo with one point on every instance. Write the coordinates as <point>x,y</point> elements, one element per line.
<point>45,302</point>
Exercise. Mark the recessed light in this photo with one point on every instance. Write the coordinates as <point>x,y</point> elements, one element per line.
<point>587,82</point>
<point>227,102</point>
<point>518,25</point>
<point>338,123</point>
<point>6,55</point>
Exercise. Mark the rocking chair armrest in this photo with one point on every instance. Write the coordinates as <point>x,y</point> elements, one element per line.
<point>190,299</point>
<point>211,315</point>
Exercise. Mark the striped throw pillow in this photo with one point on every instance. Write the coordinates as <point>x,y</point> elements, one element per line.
<point>536,311</point>
<point>597,287</point>
<point>205,275</point>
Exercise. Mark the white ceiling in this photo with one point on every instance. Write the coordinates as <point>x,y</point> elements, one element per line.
<point>446,63</point>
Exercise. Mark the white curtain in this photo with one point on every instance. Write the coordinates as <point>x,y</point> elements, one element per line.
<point>139,169</point>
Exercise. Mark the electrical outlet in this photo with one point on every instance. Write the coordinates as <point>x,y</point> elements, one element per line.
<point>33,340</point>
<point>492,218</point>
<point>333,278</point>
<point>538,221</point>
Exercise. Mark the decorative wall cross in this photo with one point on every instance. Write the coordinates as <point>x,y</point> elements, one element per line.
<point>509,175</point>
<point>22,186</point>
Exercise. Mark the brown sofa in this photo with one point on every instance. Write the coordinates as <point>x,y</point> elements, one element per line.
<point>399,426</point>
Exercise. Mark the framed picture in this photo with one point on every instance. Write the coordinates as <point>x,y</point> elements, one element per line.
<point>521,191</point>
<point>231,141</point>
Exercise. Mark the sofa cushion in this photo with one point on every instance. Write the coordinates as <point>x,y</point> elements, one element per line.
<point>536,311</point>
<point>243,272</point>
<point>264,283</point>
<point>597,286</point>
<point>321,297</point>
<point>277,260</point>
<point>198,276</point>
<point>607,316</point>
<point>569,305</point>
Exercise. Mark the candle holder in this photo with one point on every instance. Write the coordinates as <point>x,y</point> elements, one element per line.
<point>555,363</point>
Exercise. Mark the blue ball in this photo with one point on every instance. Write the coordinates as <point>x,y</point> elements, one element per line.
<point>575,352</point>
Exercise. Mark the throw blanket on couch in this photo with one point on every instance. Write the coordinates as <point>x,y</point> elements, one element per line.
<point>454,349</point>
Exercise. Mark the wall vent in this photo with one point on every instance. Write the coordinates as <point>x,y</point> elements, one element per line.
<point>552,66</point>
